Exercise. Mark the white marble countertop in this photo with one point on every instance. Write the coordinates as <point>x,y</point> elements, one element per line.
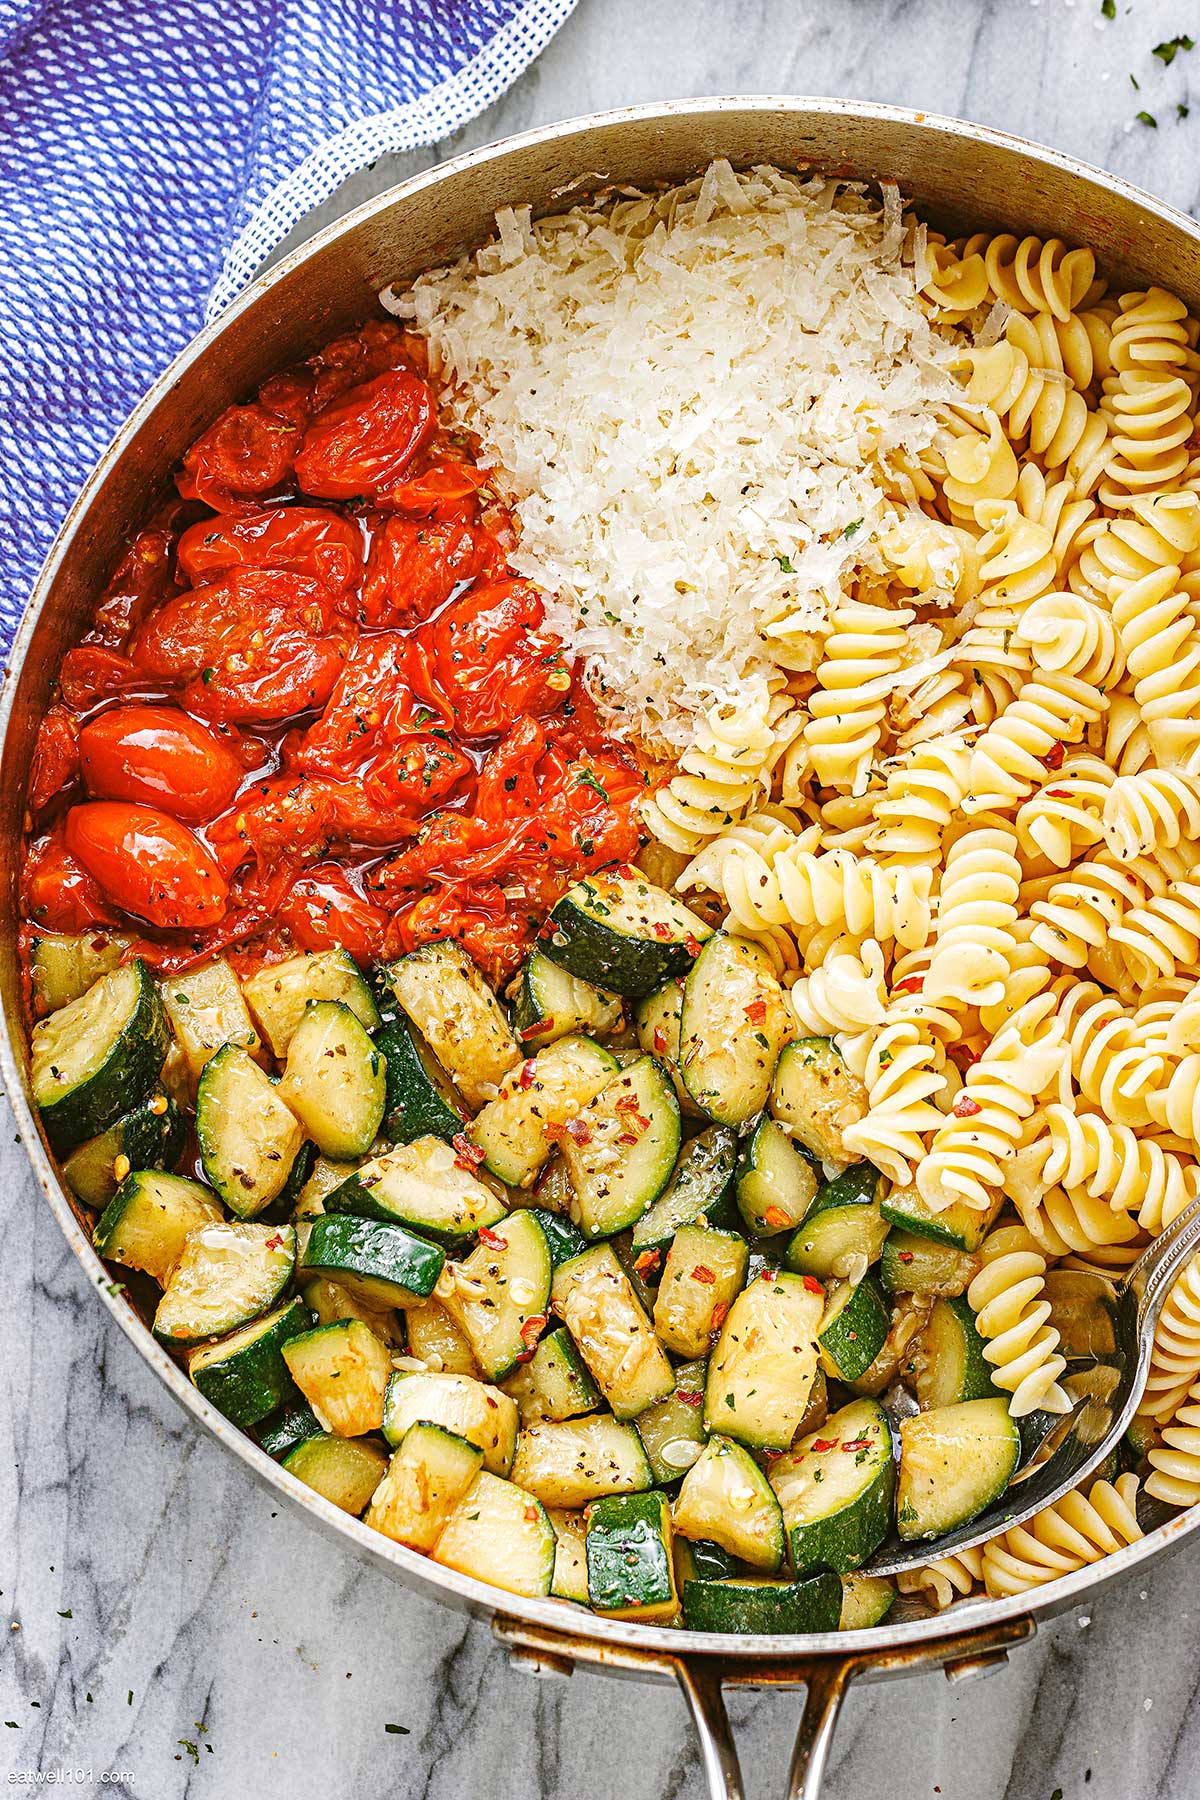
<point>160,1617</point>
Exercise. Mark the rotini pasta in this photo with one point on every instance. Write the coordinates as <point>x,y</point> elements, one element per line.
<point>1076,1531</point>
<point>948,1579</point>
<point>794,886</point>
<point>977,910</point>
<point>1175,1361</point>
<point>1011,1313</point>
<point>865,644</point>
<point>725,773</point>
<point>1175,1460</point>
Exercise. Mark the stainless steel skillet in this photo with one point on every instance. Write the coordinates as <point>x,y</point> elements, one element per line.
<point>964,177</point>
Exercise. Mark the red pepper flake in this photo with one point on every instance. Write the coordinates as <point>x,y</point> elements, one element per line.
<point>825,1444</point>
<point>532,1329</point>
<point>690,1397</point>
<point>539,1028</point>
<point>905,1256</point>
<point>660,1041</point>
<point>627,872</point>
<point>469,1155</point>
<point>628,1137</point>
<point>770,1274</point>
<point>579,1131</point>
<point>912,984</point>
<point>627,1103</point>
<point>490,1240</point>
<point>703,1274</point>
<point>858,1444</point>
<point>532,1515</point>
<point>647,1262</point>
<point>554,1131</point>
<point>812,1285</point>
<point>662,932</point>
<point>548,929</point>
<point>1055,756</point>
<point>965,1107</point>
<point>718,1314</point>
<point>776,1216</point>
<point>1058,793</point>
<point>528,1074</point>
<point>274,1243</point>
<point>692,944</point>
<point>756,1012</point>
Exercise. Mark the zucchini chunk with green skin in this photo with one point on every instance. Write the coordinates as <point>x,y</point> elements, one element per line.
<point>672,1430</point>
<point>382,1265</point>
<point>437,1341</point>
<point>518,1130</point>
<point>555,1383</point>
<point>428,1475</point>
<point>500,1534</point>
<point>549,1002</point>
<point>420,1100</point>
<point>457,1014</point>
<point>329,1301</point>
<point>334,1081</point>
<point>425,1185</point>
<point>322,1178</point>
<point>910,1264</point>
<point>227,1275</point>
<point>98,1057</point>
<point>278,994</point>
<point>290,1425</point>
<point>151,1136</point>
<point>248,1138</point>
<point>954,1462</point>
<point>843,1232</point>
<point>631,1570</point>
<point>657,1020</point>
<point>947,1359</point>
<point>553,1191</point>
<point>776,1185</point>
<point>573,1461</point>
<point>344,1471</point>
<point>774,1608</point>
<point>852,1332</point>
<point>500,1294</point>
<point>866,1600</point>
<point>343,1371</point>
<point>244,1375</point>
<point>734,1024</point>
<point>701,1188</point>
<point>470,1409</point>
<point>63,966</point>
<point>148,1221</point>
<point>726,1499</point>
<point>570,1555</point>
<point>618,930</point>
<point>835,1489</point>
<point>620,1152</point>
<point>562,1235</point>
<point>206,1009</point>
<point>816,1098</point>
<point>704,1272</point>
<point>595,1300</point>
<point>761,1372</point>
<point>702,1561</point>
<point>961,1227</point>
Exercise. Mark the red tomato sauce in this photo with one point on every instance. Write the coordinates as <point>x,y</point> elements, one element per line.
<point>315,706</point>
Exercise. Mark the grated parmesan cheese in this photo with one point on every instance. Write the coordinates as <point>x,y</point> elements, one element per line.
<point>688,398</point>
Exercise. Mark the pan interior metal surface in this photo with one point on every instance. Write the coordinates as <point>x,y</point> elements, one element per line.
<point>960,175</point>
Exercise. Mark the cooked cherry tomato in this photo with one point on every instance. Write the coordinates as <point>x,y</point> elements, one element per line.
<point>365,440</point>
<point>496,935</point>
<point>55,757</point>
<point>359,356</point>
<point>161,757</point>
<point>417,774</point>
<point>438,490</point>
<point>416,564</point>
<point>144,578</point>
<point>323,911</point>
<point>372,705</point>
<point>485,655</point>
<point>59,894</point>
<point>309,539</point>
<point>246,455</point>
<point>89,673</point>
<point>147,863</point>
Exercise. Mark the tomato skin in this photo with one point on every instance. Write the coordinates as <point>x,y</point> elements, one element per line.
<point>244,455</point>
<point>55,761</point>
<point>144,578</point>
<point>415,565</point>
<point>364,441</point>
<point>58,892</point>
<point>324,912</point>
<point>416,774</point>
<point>357,357</point>
<point>308,539</point>
<point>159,756</point>
<point>439,490</point>
<point>486,657</point>
<point>372,704</point>
<point>147,863</point>
<point>89,673</point>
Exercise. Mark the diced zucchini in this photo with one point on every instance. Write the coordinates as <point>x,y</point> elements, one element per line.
<point>554,1383</point>
<point>426,1185</point>
<point>843,1231</point>
<point>279,993</point>
<point>771,1608</point>
<point>631,1571</point>
<point>500,1534</point>
<point>657,1020</point>
<point>816,1099</point>
<point>518,1130</point>
<point>148,1221</point>
<point>703,1273</point>
<point>500,1294</point>
<point>329,1301</point>
<point>99,1056</point>
<point>954,1462</point>
<point>384,1265</point>
<point>701,1188</point>
<point>962,1227</point>
<point>334,1081</point>
<point>244,1375</point>
<point>284,1206</point>
<point>62,967</point>
<point>702,1561</point>
<point>893,1360</point>
<point>345,1471</point>
<point>910,1264</point>
<point>620,1152</point>
<point>322,1178</point>
<point>549,1002</point>
<point>734,1024</point>
<point>570,1555</point>
<point>594,1298</point>
<point>949,1365</point>
<point>471,1409</point>
<point>835,1489</point>
<point>206,1009</point>
<point>562,1235</point>
<point>776,1184</point>
<point>248,1138</point>
<point>726,1499</point>
<point>343,1371</point>
<point>149,1137</point>
<point>761,1372</point>
<point>618,930</point>
<point>672,1430</point>
<point>291,1425</point>
<point>427,1477</point>
<point>866,1601</point>
<point>437,1341</point>
<point>227,1275</point>
<point>457,1014</point>
<point>420,1098</point>
<point>855,1324</point>
<point>570,1462</point>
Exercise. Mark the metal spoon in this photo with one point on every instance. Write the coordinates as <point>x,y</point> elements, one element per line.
<point>1107,1336</point>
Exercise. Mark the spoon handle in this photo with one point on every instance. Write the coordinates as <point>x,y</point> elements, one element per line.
<point>1151,1277</point>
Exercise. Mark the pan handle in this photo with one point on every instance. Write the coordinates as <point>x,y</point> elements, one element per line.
<point>703,1678</point>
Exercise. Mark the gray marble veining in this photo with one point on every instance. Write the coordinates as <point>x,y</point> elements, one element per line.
<point>169,1622</point>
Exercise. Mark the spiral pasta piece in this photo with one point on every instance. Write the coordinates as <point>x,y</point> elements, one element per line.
<point>1081,910</point>
<point>846,993</point>
<point>1010,758</point>
<point>1070,635</point>
<point>1011,1313</point>
<point>1175,1462</point>
<point>795,886</point>
<point>979,466</point>
<point>1163,935</point>
<point>1132,1174</point>
<point>903,1072</point>
<point>725,773</point>
<point>1153,807</point>
<point>948,1579</point>
<point>865,644</point>
<point>1076,1531</point>
<point>1111,1066</point>
<point>977,911</point>
<point>924,788</point>
<point>1175,1359</point>
<point>1161,644</point>
<point>1156,531</point>
<point>1065,815</point>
